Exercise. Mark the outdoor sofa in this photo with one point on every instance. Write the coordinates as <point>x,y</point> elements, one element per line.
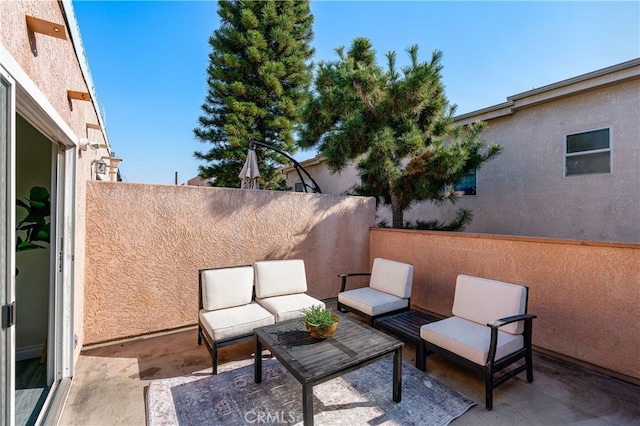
<point>228,309</point>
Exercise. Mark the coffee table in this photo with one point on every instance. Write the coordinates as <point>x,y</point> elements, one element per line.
<point>312,361</point>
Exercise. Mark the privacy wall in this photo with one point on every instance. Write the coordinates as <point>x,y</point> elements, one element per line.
<point>586,294</point>
<point>146,243</point>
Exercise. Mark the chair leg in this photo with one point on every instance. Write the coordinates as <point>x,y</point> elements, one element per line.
<point>488,389</point>
<point>214,358</point>
<point>199,335</point>
<point>529,360</point>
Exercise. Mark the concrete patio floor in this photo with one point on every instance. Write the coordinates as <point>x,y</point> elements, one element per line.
<point>110,384</point>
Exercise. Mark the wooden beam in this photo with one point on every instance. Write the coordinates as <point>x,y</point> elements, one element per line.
<point>45,27</point>
<point>81,96</point>
<point>93,126</point>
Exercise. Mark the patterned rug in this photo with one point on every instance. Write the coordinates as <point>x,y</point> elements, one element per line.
<point>361,397</point>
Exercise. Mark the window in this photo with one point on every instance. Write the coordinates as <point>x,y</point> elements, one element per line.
<point>298,187</point>
<point>588,153</point>
<point>465,186</point>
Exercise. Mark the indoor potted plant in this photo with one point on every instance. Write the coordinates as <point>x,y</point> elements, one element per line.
<point>321,322</point>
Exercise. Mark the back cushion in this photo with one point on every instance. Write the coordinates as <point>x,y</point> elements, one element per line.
<point>226,287</point>
<point>483,301</point>
<point>392,277</point>
<point>280,277</point>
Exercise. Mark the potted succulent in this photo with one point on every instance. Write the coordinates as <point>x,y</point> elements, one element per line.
<point>321,322</point>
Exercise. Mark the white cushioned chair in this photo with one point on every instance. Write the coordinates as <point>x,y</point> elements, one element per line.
<point>281,287</point>
<point>389,290</point>
<point>227,313</point>
<point>489,330</point>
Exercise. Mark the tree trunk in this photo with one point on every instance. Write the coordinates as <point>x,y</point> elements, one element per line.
<point>397,213</point>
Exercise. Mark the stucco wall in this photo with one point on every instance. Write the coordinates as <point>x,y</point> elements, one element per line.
<point>523,191</point>
<point>146,243</point>
<point>52,67</point>
<point>586,294</point>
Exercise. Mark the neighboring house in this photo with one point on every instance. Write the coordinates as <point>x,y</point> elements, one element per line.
<point>570,166</point>
<point>200,181</point>
<point>52,135</point>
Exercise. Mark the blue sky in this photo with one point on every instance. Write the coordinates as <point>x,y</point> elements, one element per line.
<point>148,59</point>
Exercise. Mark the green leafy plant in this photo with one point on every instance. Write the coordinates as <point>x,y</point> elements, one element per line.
<point>35,227</point>
<point>318,316</point>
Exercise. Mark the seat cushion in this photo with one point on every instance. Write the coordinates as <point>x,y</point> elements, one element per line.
<point>280,277</point>
<point>483,301</point>
<point>371,301</point>
<point>288,307</point>
<point>224,324</point>
<point>226,287</point>
<point>469,339</point>
<point>392,277</point>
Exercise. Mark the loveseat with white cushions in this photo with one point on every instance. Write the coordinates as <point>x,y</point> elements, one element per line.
<point>489,330</point>
<point>232,301</point>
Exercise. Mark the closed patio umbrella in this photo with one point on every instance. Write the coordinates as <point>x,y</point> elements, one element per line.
<point>250,174</point>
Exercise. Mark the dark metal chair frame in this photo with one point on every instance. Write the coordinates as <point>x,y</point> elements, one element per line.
<point>493,366</point>
<point>370,318</point>
<point>213,345</point>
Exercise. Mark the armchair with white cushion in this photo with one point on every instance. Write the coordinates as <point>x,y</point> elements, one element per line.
<point>388,292</point>
<point>489,330</point>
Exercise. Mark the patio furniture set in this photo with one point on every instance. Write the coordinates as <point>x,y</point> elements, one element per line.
<point>490,328</point>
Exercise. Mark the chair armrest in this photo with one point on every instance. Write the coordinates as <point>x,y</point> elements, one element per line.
<point>528,321</point>
<point>508,320</point>
<point>345,276</point>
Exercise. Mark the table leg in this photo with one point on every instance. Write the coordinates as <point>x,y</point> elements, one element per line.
<point>397,375</point>
<point>421,361</point>
<point>257,369</point>
<point>307,405</point>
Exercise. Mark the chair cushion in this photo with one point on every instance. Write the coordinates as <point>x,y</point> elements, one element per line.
<point>233,322</point>
<point>288,306</point>
<point>280,277</point>
<point>469,339</point>
<point>482,300</point>
<point>371,301</point>
<point>226,287</point>
<point>392,277</point>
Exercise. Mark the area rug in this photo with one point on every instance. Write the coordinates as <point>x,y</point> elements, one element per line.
<point>361,397</point>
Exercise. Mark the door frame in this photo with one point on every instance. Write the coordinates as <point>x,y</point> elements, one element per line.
<point>31,103</point>
<point>7,268</point>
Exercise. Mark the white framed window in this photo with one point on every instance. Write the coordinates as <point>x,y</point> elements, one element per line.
<point>588,153</point>
<point>299,186</point>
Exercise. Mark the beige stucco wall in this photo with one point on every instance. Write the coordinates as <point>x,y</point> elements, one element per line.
<point>523,191</point>
<point>586,294</point>
<point>146,243</point>
<point>52,65</point>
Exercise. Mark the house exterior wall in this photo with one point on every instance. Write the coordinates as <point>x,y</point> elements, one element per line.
<point>523,191</point>
<point>146,243</point>
<point>45,68</point>
<point>585,294</point>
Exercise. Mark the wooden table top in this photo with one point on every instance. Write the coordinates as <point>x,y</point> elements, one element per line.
<point>312,360</point>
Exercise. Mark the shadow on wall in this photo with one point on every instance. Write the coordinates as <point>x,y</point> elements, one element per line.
<point>143,265</point>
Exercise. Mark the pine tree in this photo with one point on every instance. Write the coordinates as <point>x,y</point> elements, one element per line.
<point>258,77</point>
<point>397,128</point>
